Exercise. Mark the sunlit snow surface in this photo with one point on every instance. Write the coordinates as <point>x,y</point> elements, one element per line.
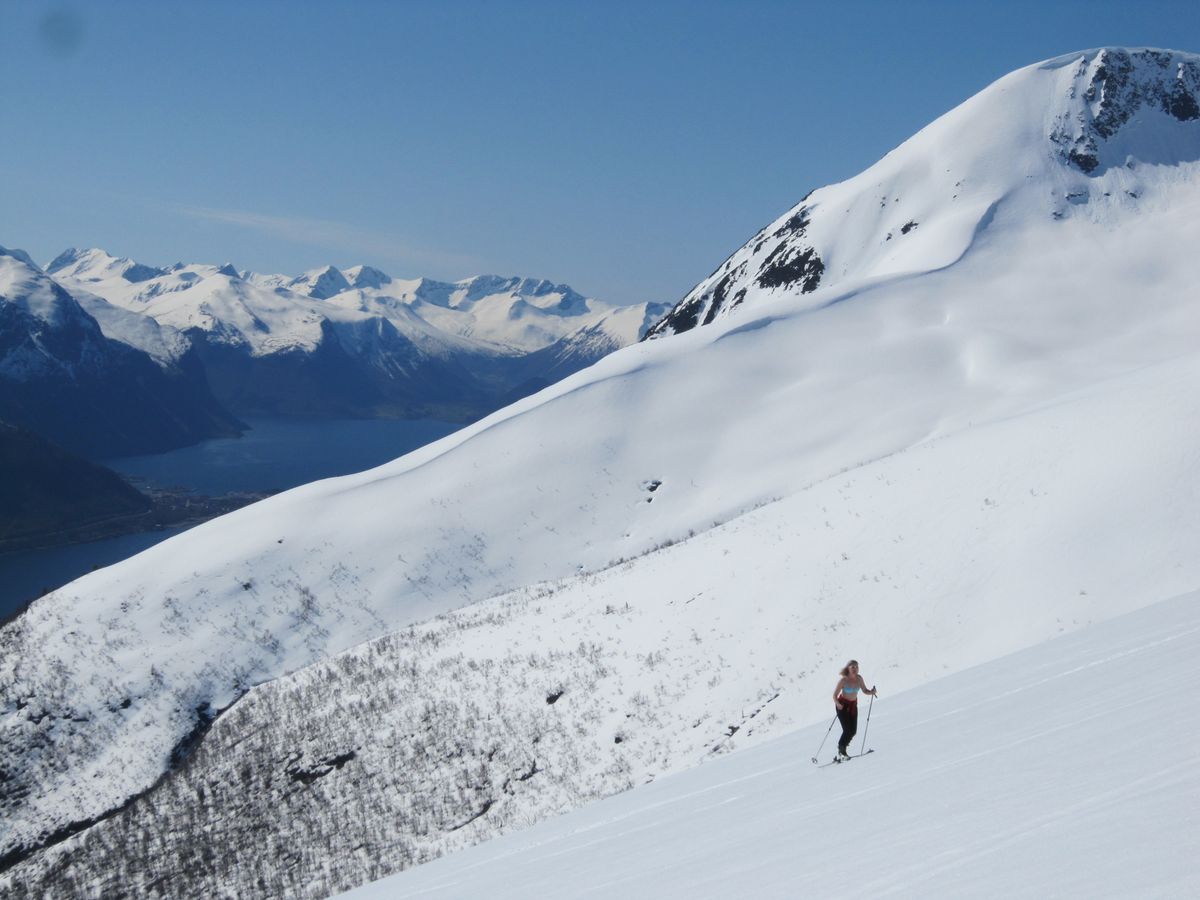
<point>1067,770</point>
<point>268,314</point>
<point>925,469</point>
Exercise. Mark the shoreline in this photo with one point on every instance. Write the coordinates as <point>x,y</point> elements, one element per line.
<point>170,507</point>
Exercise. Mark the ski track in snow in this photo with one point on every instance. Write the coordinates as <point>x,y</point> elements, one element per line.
<point>1076,805</point>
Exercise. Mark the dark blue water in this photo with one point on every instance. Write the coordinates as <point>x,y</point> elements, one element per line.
<point>26,576</point>
<point>274,455</point>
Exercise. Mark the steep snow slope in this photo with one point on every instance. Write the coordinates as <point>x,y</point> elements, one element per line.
<point>95,265</point>
<point>165,345</point>
<point>1006,150</point>
<point>1049,301</point>
<point>64,377</point>
<point>321,284</point>
<point>531,704</point>
<point>1049,773</point>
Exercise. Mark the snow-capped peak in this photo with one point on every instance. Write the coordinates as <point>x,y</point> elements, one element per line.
<point>25,286</point>
<point>546,295</point>
<point>1119,104</point>
<point>367,277</point>
<point>95,264</point>
<point>21,256</point>
<point>320,284</point>
<point>1059,138</point>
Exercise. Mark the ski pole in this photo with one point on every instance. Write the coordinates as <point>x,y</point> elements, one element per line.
<point>868,724</point>
<point>824,739</point>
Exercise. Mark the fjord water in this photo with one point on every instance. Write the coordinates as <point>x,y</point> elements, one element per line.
<point>26,575</point>
<point>277,454</point>
<point>274,455</point>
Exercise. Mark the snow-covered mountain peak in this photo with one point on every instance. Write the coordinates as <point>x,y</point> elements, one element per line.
<point>66,330</point>
<point>320,284</point>
<point>94,264</point>
<point>514,314</point>
<point>389,327</point>
<point>545,295</point>
<point>92,378</point>
<point>21,256</point>
<point>1057,139</point>
<point>489,314</point>
<point>24,285</point>
<point>367,277</point>
<point>1122,103</point>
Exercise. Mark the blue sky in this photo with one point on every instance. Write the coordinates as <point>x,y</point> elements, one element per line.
<point>624,148</point>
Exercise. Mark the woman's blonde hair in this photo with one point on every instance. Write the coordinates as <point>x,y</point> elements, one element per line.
<point>846,668</point>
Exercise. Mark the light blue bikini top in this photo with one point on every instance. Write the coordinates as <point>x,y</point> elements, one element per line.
<point>849,690</point>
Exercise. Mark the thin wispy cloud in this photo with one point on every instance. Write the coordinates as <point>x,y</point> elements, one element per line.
<point>332,235</point>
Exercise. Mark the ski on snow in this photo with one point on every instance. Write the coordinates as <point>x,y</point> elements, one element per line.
<point>837,760</point>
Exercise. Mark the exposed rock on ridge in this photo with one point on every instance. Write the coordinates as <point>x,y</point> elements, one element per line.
<point>1104,109</point>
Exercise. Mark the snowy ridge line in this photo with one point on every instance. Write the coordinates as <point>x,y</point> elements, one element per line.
<point>842,292</point>
<point>483,314</point>
<point>355,343</point>
<point>1070,122</point>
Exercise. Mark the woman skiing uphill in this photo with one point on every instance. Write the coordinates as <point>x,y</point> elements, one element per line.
<point>845,697</point>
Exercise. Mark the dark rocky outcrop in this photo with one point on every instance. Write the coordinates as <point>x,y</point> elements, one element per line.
<point>1121,84</point>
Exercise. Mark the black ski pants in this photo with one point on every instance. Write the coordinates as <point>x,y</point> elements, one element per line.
<point>848,716</point>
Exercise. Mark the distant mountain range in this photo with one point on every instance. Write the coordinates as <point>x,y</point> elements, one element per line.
<point>356,342</point>
<point>105,357</point>
<point>108,356</point>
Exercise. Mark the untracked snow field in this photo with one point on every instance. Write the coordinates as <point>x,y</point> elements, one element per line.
<point>1066,770</point>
